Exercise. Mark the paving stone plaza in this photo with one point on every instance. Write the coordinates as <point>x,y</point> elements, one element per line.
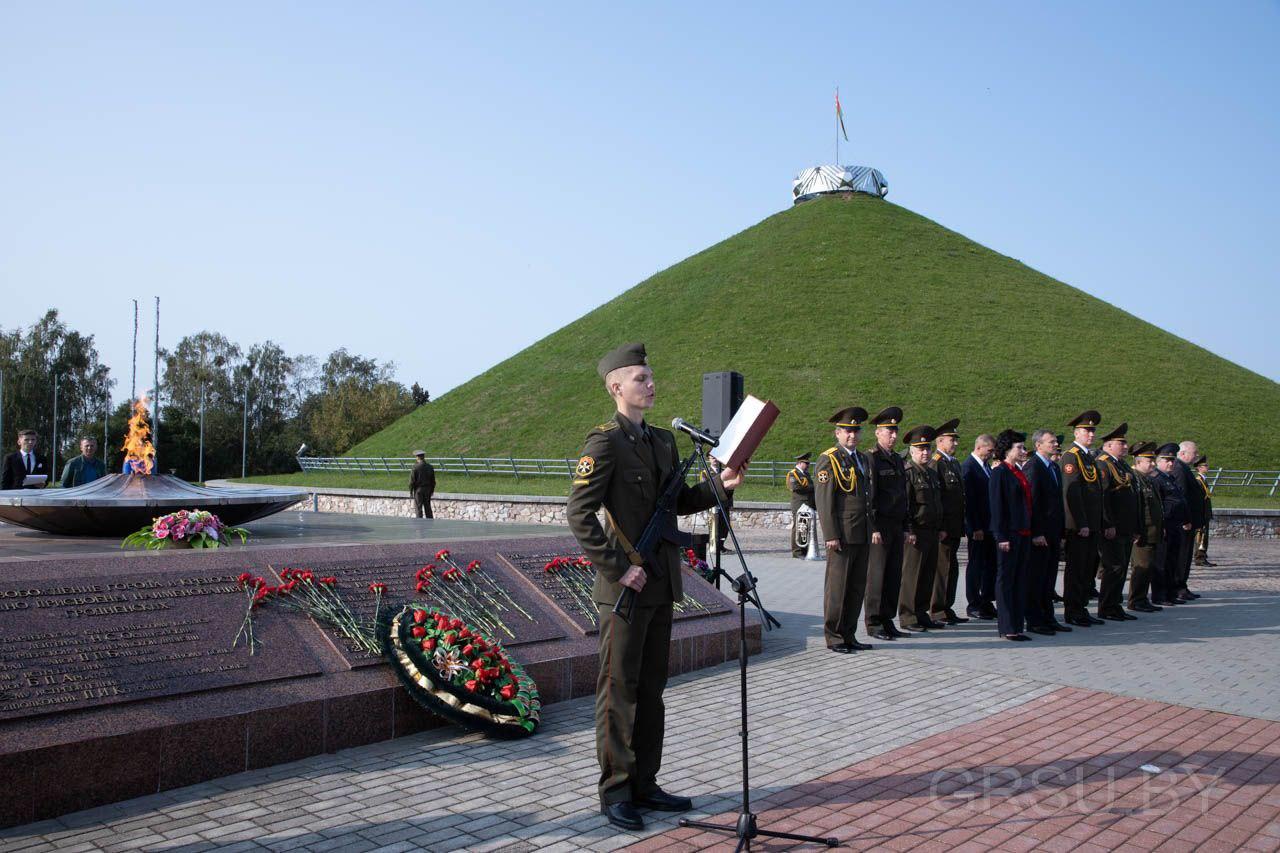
<point>1158,734</point>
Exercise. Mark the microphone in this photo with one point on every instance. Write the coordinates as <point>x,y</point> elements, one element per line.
<point>697,434</point>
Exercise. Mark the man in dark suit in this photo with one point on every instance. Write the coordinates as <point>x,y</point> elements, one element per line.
<point>1196,514</point>
<point>1046,533</point>
<point>980,570</point>
<point>623,469</point>
<point>23,463</point>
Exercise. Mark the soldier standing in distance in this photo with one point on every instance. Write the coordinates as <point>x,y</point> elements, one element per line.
<point>624,466</point>
<point>1116,545</point>
<point>1201,464</point>
<point>422,485</point>
<point>888,527</point>
<point>924,531</point>
<point>1177,527</point>
<point>1149,549</point>
<point>801,488</point>
<point>951,475</point>
<point>1084,516</point>
<point>843,501</point>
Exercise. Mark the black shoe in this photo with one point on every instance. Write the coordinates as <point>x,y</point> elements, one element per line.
<point>1079,621</point>
<point>1111,616</point>
<point>1143,607</point>
<point>1129,616</point>
<point>1165,602</point>
<point>1189,594</point>
<point>883,635</point>
<point>622,815</point>
<point>893,630</point>
<point>1182,598</point>
<point>975,613</point>
<point>1094,594</point>
<point>1095,621</point>
<point>1060,628</point>
<point>1018,638</point>
<point>933,624</point>
<point>953,619</point>
<point>988,612</point>
<point>861,647</point>
<point>1042,630</point>
<point>1057,599</point>
<point>842,648</point>
<point>659,800</point>
<point>916,629</point>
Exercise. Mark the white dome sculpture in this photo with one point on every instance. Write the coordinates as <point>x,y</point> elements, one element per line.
<point>817,180</point>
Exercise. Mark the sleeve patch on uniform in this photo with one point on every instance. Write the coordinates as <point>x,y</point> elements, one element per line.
<point>585,466</point>
<point>824,476</point>
<point>1068,468</point>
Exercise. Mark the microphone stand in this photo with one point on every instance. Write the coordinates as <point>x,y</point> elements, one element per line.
<point>747,826</point>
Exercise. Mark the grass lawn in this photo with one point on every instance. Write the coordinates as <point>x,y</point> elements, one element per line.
<point>838,302</point>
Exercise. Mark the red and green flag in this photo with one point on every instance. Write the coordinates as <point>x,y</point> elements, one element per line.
<point>840,116</point>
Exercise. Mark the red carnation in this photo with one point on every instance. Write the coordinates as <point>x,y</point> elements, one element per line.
<point>477,665</point>
<point>455,623</point>
<point>421,586</point>
<point>472,685</point>
<point>508,692</point>
<point>418,631</point>
<point>289,586</point>
<point>450,638</point>
<point>468,650</point>
<point>419,616</point>
<point>329,581</point>
<point>464,634</point>
<point>429,644</point>
<point>245,577</point>
<point>473,565</point>
<point>377,586</point>
<point>442,554</point>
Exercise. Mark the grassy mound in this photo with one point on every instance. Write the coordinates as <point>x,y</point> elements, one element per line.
<point>845,301</point>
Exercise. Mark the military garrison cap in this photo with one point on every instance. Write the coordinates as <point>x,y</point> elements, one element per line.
<point>850,418</point>
<point>920,436</point>
<point>1169,450</point>
<point>1087,420</point>
<point>419,453</point>
<point>627,355</point>
<point>803,457</point>
<point>1144,448</point>
<point>951,427</point>
<point>1118,432</point>
<point>889,417</point>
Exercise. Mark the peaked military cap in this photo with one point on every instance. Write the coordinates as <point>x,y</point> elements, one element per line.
<point>951,427</point>
<point>1118,432</point>
<point>1169,450</point>
<point>627,355</point>
<point>889,417</point>
<point>803,457</point>
<point>1144,448</point>
<point>1200,460</point>
<point>919,436</point>
<point>1088,420</point>
<point>1061,438</point>
<point>850,418</point>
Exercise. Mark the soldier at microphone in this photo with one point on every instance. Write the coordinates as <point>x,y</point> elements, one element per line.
<point>624,466</point>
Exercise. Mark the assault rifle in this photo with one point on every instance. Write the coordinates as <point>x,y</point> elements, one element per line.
<point>662,525</point>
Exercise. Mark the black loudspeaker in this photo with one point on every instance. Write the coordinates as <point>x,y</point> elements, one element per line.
<point>722,394</point>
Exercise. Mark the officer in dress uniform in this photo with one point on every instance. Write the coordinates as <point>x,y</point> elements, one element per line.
<point>951,475</point>
<point>1201,464</point>
<point>888,527</point>
<point>924,530</point>
<point>1114,548</point>
<point>801,486</point>
<point>1083,506</point>
<point>1148,551</point>
<point>1177,527</point>
<point>624,465</point>
<point>842,493</point>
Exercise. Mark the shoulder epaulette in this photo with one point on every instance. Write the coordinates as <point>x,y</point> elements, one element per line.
<point>830,451</point>
<point>607,425</point>
<point>936,456</point>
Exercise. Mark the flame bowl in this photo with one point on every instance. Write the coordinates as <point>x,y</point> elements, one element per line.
<point>119,504</point>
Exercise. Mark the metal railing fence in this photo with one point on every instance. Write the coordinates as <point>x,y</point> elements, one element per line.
<point>761,469</point>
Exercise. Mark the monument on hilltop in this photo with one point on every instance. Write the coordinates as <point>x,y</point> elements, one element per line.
<point>835,180</point>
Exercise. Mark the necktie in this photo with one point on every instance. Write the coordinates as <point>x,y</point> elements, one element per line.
<point>26,461</point>
<point>1053,469</point>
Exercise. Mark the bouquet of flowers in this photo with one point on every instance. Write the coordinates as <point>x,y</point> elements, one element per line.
<point>187,528</point>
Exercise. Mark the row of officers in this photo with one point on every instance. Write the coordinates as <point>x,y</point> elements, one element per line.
<point>892,527</point>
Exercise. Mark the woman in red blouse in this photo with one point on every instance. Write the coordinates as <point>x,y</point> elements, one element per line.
<point>1011,526</point>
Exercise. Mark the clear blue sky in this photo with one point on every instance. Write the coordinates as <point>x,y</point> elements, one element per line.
<point>442,186</point>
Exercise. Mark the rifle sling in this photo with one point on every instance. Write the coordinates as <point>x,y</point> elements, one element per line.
<point>633,556</point>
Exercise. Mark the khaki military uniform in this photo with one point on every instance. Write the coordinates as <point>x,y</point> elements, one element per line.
<point>1148,552</point>
<point>920,560</point>
<point>802,494</point>
<point>1120,493</point>
<point>1083,499</point>
<point>951,478</point>
<point>623,469</point>
<point>1202,533</point>
<point>843,498</point>
<point>422,485</point>
<point>889,519</point>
